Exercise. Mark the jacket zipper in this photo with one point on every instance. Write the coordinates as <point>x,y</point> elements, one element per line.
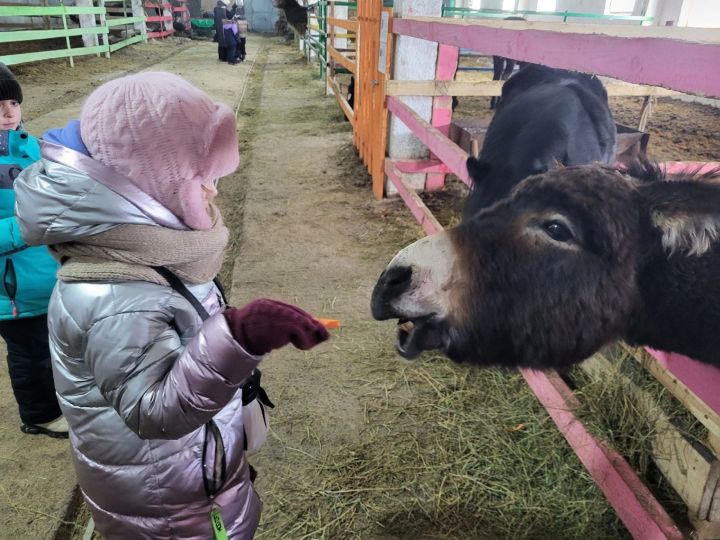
<point>10,282</point>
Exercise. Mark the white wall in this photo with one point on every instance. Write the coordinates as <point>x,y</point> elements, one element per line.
<point>581,6</point>
<point>700,13</point>
<point>665,11</point>
<point>261,15</point>
<point>413,59</point>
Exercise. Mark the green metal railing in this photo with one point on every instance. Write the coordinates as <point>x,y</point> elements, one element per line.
<point>461,12</point>
<point>62,11</point>
<point>318,42</point>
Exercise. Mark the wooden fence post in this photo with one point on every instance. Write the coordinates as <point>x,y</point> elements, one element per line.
<point>442,105</point>
<point>67,39</point>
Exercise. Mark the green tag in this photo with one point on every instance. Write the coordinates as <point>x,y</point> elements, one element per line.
<point>218,526</point>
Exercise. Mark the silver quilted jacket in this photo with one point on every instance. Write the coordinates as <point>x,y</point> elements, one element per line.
<point>138,373</point>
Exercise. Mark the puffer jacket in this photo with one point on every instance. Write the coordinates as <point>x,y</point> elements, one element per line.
<point>27,274</point>
<point>137,372</point>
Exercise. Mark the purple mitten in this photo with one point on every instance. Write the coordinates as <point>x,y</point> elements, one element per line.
<point>264,325</point>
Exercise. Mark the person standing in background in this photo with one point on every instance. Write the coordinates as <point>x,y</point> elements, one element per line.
<point>242,26</point>
<point>28,278</point>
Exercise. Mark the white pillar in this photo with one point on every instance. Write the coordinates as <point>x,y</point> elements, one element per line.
<point>87,21</point>
<point>138,10</point>
<point>340,12</point>
<point>414,59</point>
<point>168,25</point>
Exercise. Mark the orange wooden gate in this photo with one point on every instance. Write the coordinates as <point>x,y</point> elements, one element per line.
<point>374,42</point>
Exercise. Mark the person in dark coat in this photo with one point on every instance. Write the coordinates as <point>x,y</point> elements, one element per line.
<point>220,13</point>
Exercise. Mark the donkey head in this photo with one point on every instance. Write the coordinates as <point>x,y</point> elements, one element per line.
<point>548,275</point>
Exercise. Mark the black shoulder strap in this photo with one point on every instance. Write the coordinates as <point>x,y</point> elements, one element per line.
<point>180,288</point>
<point>220,288</point>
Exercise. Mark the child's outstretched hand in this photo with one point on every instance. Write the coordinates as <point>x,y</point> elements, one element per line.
<point>264,325</point>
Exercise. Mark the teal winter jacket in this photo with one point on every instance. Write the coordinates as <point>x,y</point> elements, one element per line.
<point>28,273</point>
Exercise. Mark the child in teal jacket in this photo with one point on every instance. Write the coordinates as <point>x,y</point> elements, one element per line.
<point>27,280</point>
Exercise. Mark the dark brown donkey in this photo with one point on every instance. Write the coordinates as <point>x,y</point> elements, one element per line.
<point>571,260</point>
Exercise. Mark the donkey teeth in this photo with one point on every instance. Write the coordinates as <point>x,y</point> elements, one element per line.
<point>407,326</point>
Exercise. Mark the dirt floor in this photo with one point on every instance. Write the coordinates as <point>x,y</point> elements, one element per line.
<point>362,445</point>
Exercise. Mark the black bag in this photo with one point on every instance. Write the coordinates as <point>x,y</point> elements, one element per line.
<point>255,401</point>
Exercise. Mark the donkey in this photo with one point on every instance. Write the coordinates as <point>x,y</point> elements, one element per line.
<point>547,117</point>
<point>572,260</point>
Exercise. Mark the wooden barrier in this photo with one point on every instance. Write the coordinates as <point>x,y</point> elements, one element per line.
<point>375,56</point>
<point>494,88</point>
<point>563,47</point>
<point>614,51</point>
<point>62,11</point>
<point>160,12</point>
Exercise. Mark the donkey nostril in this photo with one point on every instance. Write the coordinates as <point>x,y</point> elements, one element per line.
<point>398,276</point>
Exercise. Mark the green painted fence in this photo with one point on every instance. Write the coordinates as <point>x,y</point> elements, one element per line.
<point>69,52</point>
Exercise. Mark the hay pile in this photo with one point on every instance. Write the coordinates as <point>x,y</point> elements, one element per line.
<point>447,452</point>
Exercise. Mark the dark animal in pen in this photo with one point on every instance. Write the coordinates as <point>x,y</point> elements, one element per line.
<point>547,117</point>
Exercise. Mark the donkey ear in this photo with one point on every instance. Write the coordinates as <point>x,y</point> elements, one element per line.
<point>477,169</point>
<point>686,211</point>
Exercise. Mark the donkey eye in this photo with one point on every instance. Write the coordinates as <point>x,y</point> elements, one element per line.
<point>557,231</point>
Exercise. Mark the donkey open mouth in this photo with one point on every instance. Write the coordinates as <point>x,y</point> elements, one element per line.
<point>408,291</point>
<point>423,334</point>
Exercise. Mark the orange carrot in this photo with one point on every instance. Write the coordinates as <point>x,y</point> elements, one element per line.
<point>330,324</point>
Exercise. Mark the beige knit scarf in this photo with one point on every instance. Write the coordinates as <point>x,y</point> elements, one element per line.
<point>127,253</point>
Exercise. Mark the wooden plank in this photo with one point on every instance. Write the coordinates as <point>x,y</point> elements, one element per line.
<point>705,530</point>
<point>415,204</point>
<point>105,36</point>
<point>12,59</point>
<point>448,152</point>
<point>691,472</point>
<point>634,54</point>
<point>655,363</point>
<point>342,60</point>
<point>643,516</point>
<point>679,167</point>
<point>447,63</point>
<point>343,23</point>
<point>124,20</point>
<point>37,11</point>
<point>344,105</point>
<point>710,504</point>
<point>413,166</point>
<point>494,88</point>
<point>161,34</point>
<point>33,35</point>
<point>381,116</point>
<point>713,442</point>
<point>124,43</point>
<point>645,113</point>
<point>462,27</point>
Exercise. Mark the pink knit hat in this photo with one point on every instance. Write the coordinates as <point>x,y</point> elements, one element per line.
<point>164,134</point>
